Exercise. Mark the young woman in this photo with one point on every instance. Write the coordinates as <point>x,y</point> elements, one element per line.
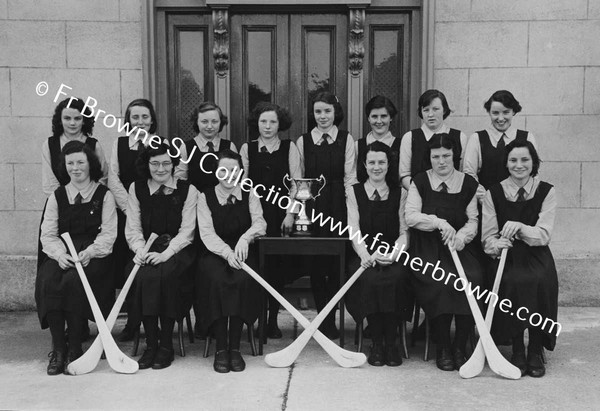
<point>208,121</point>
<point>433,109</point>
<point>328,151</point>
<point>86,210</point>
<point>140,115</point>
<point>485,150</point>
<point>380,112</point>
<point>268,159</point>
<point>381,294</point>
<point>159,203</point>
<point>229,220</point>
<point>441,209</point>
<point>518,214</point>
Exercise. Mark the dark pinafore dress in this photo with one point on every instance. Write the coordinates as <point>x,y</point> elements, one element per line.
<point>198,178</point>
<point>54,148</point>
<point>223,291</point>
<point>493,169</point>
<point>165,289</point>
<point>530,279</point>
<point>380,289</point>
<point>436,297</point>
<point>361,158</point>
<point>419,161</point>
<point>61,290</point>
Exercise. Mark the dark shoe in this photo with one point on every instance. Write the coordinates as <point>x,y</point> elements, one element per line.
<point>127,334</point>
<point>236,362</point>
<point>273,331</point>
<point>376,357</point>
<point>443,359</point>
<point>164,358</point>
<point>459,358</point>
<point>392,356</point>
<point>147,358</point>
<point>221,363</point>
<point>57,363</point>
<point>518,360</point>
<point>73,355</point>
<point>535,365</point>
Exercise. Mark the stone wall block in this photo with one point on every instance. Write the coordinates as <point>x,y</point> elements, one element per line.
<point>528,10</point>
<point>132,87</point>
<point>4,92</point>
<point>591,185</point>
<point>28,187</point>
<point>130,10</point>
<point>77,10</point>
<point>23,139</point>
<point>574,231</point>
<point>454,83</point>
<point>6,187</point>
<point>452,10</point>
<point>566,178</point>
<point>591,102</point>
<point>564,43</point>
<point>32,44</point>
<point>19,234</point>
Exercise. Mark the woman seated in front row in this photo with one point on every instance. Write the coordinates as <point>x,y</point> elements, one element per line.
<point>382,293</point>
<point>518,214</point>
<point>229,220</point>
<point>86,210</point>
<point>441,209</point>
<point>160,204</point>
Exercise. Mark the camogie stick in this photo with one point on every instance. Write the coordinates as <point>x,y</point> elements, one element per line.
<point>496,360</point>
<point>474,366</point>
<point>116,359</point>
<point>287,356</point>
<point>88,361</point>
<point>344,358</point>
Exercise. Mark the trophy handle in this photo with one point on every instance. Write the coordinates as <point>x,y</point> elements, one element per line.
<point>286,177</point>
<point>321,180</point>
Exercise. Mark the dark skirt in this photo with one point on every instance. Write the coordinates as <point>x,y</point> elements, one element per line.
<point>381,289</point>
<point>223,291</point>
<point>165,289</point>
<point>529,280</point>
<point>61,290</point>
<point>438,297</point>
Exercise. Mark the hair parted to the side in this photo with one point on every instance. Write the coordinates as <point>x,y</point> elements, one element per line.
<point>78,147</point>
<point>504,97</point>
<point>440,140</point>
<point>535,157</point>
<point>426,99</point>
<point>230,154</point>
<point>142,102</point>
<point>391,177</point>
<point>141,164</point>
<point>381,102</point>
<point>283,116</point>
<point>329,98</point>
<point>203,108</point>
<point>87,127</point>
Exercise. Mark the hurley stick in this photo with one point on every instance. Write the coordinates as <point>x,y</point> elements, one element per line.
<point>287,356</point>
<point>474,366</point>
<point>88,361</point>
<point>344,358</point>
<point>116,359</point>
<point>496,360</point>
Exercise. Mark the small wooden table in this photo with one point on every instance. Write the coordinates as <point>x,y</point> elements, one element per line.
<point>301,246</point>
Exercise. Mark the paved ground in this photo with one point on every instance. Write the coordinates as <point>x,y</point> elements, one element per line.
<point>314,382</point>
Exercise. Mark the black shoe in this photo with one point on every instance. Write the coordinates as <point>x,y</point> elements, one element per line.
<point>392,356</point>
<point>73,355</point>
<point>273,331</point>
<point>221,363</point>
<point>518,360</point>
<point>147,358</point>
<point>376,357</point>
<point>127,334</point>
<point>459,358</point>
<point>236,362</point>
<point>535,365</point>
<point>164,358</point>
<point>443,359</point>
<point>57,363</point>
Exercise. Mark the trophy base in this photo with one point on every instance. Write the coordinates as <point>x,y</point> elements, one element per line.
<point>301,230</point>
<point>301,234</point>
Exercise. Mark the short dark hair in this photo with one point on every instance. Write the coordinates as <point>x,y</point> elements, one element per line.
<point>381,102</point>
<point>228,153</point>
<point>283,116</point>
<point>506,98</point>
<point>142,102</point>
<point>391,177</point>
<point>535,157</point>
<point>87,127</point>
<point>141,164</point>
<point>430,95</point>
<point>203,108</point>
<point>440,140</point>
<point>76,146</point>
<point>328,98</point>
